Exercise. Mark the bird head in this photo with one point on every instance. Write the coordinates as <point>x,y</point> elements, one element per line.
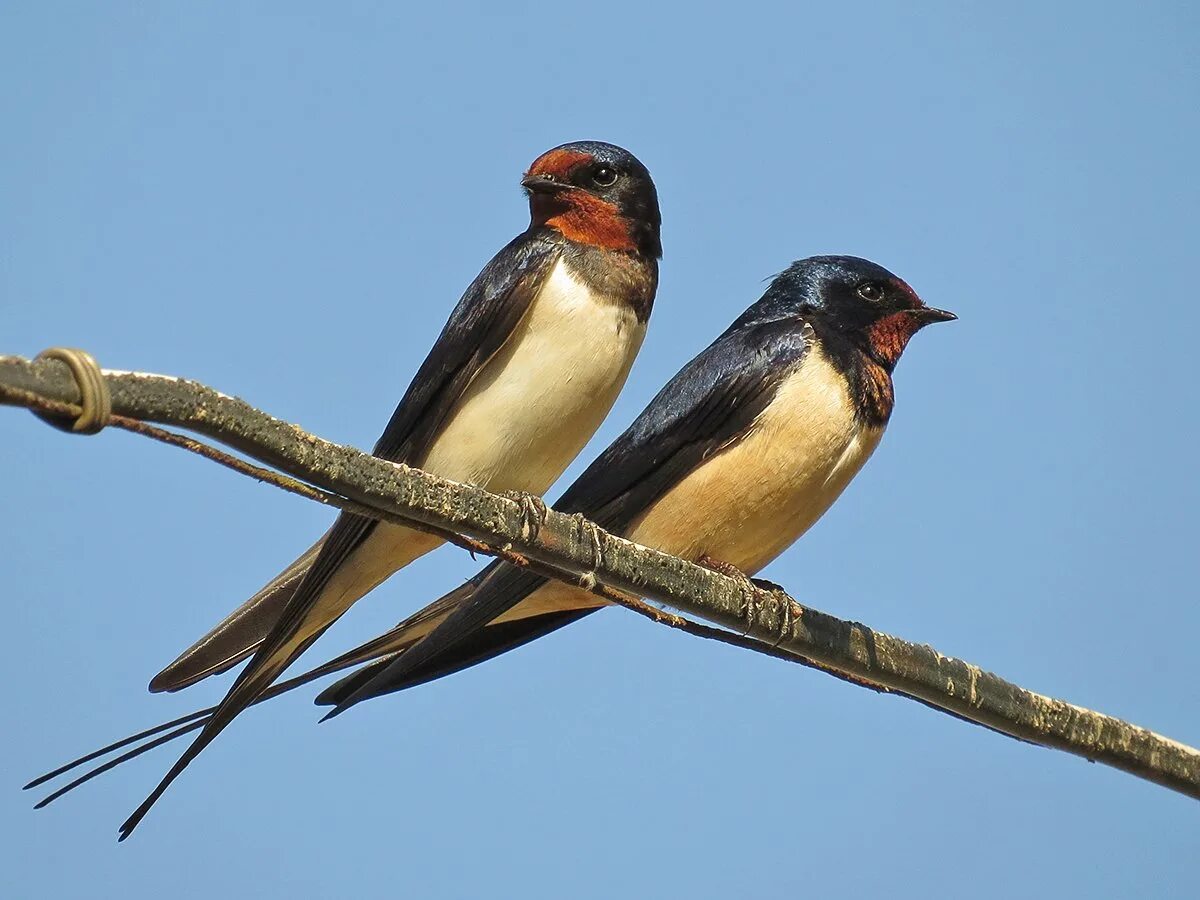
<point>861,300</point>
<point>597,194</point>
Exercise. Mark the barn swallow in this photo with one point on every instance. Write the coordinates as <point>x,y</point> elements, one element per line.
<point>741,452</point>
<point>528,365</point>
<point>739,455</point>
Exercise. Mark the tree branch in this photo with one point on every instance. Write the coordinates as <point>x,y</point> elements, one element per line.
<point>570,548</point>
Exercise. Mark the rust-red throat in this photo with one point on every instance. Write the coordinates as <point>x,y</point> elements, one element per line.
<point>573,211</point>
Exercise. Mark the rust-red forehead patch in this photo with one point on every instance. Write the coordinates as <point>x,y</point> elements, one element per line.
<point>558,162</point>
<point>904,286</point>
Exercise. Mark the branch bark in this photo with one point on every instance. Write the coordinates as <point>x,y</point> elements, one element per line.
<point>571,548</point>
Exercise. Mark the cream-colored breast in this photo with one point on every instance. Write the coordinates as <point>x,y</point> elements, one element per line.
<point>523,418</point>
<point>751,500</point>
<point>535,404</point>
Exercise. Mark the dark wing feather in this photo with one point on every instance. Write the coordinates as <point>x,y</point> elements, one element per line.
<point>710,404</point>
<point>478,327</point>
<point>480,324</point>
<point>479,646</point>
<point>234,637</point>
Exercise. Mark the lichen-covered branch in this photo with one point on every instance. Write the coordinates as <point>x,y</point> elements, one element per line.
<point>574,548</point>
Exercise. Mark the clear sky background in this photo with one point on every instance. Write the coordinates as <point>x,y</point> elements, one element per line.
<point>286,201</point>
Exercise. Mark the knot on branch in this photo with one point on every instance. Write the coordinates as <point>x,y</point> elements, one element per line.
<point>95,400</point>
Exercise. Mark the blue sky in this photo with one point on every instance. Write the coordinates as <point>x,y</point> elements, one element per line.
<point>286,201</point>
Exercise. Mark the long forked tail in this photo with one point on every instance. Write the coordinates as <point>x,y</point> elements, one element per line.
<point>237,635</point>
<point>491,642</point>
<point>391,641</point>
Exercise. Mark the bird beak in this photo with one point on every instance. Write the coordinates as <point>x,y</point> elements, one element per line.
<point>542,184</point>
<point>927,315</point>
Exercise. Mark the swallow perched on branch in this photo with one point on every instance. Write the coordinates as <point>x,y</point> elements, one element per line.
<point>528,365</point>
<point>741,452</point>
<point>731,463</point>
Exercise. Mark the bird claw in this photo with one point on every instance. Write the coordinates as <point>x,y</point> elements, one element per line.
<point>721,567</point>
<point>771,587</point>
<point>533,513</point>
<point>589,531</point>
<point>750,613</point>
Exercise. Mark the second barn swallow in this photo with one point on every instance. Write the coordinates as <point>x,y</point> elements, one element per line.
<point>732,461</point>
<point>528,365</point>
<point>738,456</point>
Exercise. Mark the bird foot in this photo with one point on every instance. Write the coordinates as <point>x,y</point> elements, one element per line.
<point>721,567</point>
<point>771,587</point>
<point>750,612</point>
<point>533,513</point>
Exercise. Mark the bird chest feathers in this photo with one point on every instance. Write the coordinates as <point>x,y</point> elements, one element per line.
<point>756,496</point>
<point>536,403</point>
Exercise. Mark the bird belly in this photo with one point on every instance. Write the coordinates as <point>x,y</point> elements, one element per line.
<point>535,404</point>
<point>524,417</point>
<point>748,502</point>
<point>751,500</point>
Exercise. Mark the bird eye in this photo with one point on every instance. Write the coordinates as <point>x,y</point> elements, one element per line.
<point>604,176</point>
<point>870,291</point>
